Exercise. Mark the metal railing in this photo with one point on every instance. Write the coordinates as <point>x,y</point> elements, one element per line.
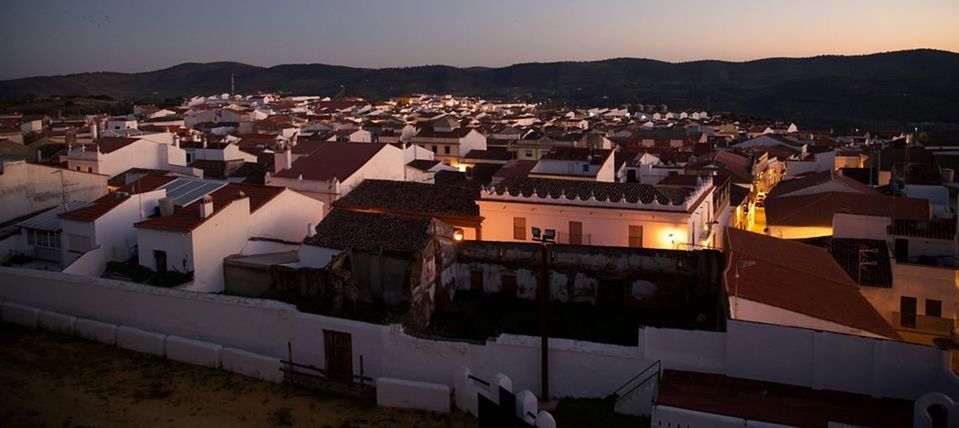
<point>566,238</point>
<point>639,380</point>
<point>923,323</point>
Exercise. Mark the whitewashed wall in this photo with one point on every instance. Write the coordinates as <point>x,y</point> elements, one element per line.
<point>795,356</point>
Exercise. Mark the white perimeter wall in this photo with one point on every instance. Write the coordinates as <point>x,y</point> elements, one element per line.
<point>751,350</point>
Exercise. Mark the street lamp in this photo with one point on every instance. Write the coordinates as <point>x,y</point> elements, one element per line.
<point>542,294</point>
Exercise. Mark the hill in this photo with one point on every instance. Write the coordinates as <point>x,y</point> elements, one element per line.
<point>892,87</point>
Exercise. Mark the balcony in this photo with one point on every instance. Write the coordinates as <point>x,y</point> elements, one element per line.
<point>922,324</point>
<point>567,239</point>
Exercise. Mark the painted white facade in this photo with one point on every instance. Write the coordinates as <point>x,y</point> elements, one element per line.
<point>605,224</point>
<point>27,188</point>
<point>154,151</point>
<point>226,233</point>
<point>387,164</point>
<point>748,310</point>
<point>113,231</point>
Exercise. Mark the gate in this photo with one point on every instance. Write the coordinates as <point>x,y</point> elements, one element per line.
<point>492,415</point>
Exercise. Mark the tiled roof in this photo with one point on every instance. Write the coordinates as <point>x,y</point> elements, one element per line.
<point>187,218</point>
<point>501,155</point>
<point>403,197</point>
<point>328,160</point>
<point>818,209</point>
<point>799,278</point>
<point>515,168</point>
<point>428,132</point>
<point>786,187</point>
<point>613,192</point>
<point>593,156</point>
<point>777,403</point>
<point>147,183</point>
<point>422,164</point>
<point>97,208</point>
<point>933,229</point>
<point>343,230</point>
<point>110,144</point>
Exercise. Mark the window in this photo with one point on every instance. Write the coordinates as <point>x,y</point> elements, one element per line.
<point>529,153</point>
<point>78,168</point>
<point>636,236</point>
<point>934,308</point>
<point>585,167</point>
<point>575,233</point>
<point>89,169</point>
<point>446,149</point>
<point>31,237</point>
<point>434,149</point>
<point>519,228</point>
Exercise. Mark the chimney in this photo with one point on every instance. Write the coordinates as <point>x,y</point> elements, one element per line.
<point>206,207</point>
<point>176,140</point>
<point>288,157</point>
<point>310,230</point>
<point>94,132</point>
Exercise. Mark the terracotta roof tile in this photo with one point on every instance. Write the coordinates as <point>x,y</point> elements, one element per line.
<point>800,278</point>
<point>187,219</point>
<point>328,160</point>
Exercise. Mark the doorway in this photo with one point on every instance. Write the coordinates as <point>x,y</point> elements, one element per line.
<point>339,355</point>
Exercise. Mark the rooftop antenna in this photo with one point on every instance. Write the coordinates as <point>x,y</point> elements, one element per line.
<point>863,250</point>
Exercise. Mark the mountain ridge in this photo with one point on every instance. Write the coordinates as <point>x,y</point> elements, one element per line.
<point>899,86</point>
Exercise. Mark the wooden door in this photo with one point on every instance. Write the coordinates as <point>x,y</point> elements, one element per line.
<point>575,233</point>
<point>907,311</point>
<point>635,236</point>
<point>339,355</point>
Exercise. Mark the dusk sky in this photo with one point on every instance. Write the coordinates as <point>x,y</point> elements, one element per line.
<point>58,37</point>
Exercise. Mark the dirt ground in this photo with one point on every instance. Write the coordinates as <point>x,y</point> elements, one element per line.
<point>60,381</point>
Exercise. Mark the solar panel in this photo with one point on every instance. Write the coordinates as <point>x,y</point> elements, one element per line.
<point>184,191</point>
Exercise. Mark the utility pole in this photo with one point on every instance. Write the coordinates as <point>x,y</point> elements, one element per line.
<point>542,295</point>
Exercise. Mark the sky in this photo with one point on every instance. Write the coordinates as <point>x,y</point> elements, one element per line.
<point>45,37</point>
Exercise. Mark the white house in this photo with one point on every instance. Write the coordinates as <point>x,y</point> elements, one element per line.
<point>105,226</point>
<point>196,237</point>
<point>576,164</point>
<point>113,155</point>
<point>326,171</point>
<point>783,282</point>
<point>602,213</point>
<point>449,141</point>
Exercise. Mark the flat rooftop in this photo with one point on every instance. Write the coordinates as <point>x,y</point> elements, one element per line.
<point>778,403</point>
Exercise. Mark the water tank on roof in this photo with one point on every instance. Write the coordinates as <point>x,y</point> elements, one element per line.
<point>166,207</point>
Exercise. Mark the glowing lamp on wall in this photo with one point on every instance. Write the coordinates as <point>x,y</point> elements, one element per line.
<point>458,235</point>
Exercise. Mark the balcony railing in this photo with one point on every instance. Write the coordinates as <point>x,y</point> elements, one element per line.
<point>923,323</point>
<point>566,238</point>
